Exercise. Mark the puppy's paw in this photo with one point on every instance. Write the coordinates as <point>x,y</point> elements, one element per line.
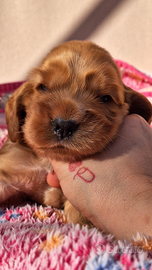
<point>74,216</point>
<point>54,197</point>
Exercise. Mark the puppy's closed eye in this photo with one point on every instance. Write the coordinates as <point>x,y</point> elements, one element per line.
<point>106,98</point>
<point>43,88</point>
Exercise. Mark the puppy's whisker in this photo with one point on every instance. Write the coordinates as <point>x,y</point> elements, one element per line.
<point>123,137</point>
<point>19,132</point>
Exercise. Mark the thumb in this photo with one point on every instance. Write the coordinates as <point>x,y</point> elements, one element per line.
<point>53,180</point>
<point>63,176</point>
<point>60,176</point>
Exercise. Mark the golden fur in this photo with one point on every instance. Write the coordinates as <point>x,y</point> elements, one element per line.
<point>71,107</point>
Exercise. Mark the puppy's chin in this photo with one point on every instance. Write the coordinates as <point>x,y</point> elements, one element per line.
<point>60,154</point>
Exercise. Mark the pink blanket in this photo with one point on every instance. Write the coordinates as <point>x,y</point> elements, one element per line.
<point>36,237</point>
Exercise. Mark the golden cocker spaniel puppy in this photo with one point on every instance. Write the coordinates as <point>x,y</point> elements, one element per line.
<point>71,107</point>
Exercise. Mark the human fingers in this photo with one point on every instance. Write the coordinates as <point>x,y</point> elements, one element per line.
<point>53,180</point>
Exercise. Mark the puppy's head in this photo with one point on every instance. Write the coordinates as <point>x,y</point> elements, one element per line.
<point>73,104</point>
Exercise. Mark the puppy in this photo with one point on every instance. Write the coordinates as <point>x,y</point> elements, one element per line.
<point>71,107</point>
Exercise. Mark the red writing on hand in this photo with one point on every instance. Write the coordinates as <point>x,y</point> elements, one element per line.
<point>85,174</point>
<point>74,165</point>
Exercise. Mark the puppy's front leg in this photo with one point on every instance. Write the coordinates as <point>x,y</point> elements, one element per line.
<point>74,216</point>
<point>54,197</point>
<point>10,195</point>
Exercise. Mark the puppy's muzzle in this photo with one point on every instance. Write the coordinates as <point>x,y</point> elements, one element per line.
<point>63,129</point>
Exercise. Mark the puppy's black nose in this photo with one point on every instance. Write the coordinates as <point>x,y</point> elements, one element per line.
<point>64,128</point>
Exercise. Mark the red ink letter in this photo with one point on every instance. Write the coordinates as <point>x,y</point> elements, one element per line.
<point>85,174</point>
<point>74,165</point>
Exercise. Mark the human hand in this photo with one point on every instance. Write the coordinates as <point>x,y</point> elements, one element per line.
<point>113,189</point>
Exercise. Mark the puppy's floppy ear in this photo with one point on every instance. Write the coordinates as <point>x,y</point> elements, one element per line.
<point>138,104</point>
<point>15,112</point>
